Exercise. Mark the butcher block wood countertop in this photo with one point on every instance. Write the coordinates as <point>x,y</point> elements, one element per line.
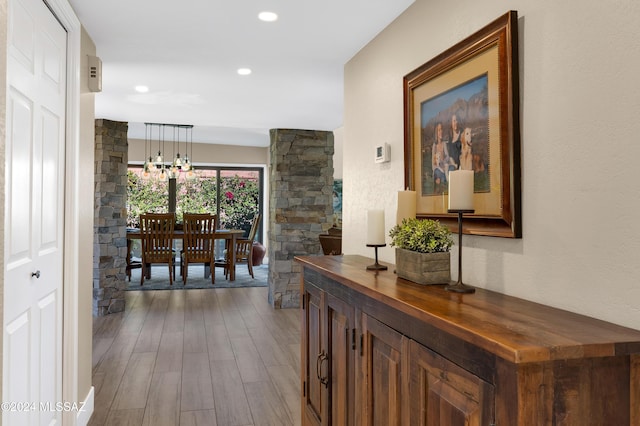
<point>514,329</point>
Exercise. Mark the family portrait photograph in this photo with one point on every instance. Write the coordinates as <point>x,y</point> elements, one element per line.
<point>455,136</point>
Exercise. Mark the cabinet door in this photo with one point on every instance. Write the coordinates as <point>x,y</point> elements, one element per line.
<point>444,394</point>
<point>342,349</point>
<point>314,392</point>
<point>383,373</point>
<point>328,357</point>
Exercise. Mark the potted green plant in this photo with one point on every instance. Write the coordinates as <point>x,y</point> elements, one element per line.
<point>422,251</point>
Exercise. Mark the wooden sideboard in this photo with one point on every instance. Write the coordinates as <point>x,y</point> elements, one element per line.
<point>380,350</point>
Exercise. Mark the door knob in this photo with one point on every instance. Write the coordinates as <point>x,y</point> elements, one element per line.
<point>35,274</point>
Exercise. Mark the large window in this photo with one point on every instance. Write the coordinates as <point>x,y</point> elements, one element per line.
<point>234,194</point>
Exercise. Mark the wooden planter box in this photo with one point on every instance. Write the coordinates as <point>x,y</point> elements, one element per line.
<point>423,268</point>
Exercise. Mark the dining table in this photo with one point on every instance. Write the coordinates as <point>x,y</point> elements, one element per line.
<point>178,234</point>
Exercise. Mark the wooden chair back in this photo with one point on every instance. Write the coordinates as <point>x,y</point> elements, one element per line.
<point>254,227</point>
<point>199,233</point>
<point>156,237</point>
<point>244,246</point>
<point>156,231</point>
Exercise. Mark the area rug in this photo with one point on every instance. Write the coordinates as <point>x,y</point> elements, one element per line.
<point>160,278</point>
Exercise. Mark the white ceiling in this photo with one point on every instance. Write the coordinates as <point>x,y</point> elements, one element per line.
<point>187,53</point>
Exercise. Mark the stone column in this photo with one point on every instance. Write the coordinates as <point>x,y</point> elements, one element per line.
<point>110,217</point>
<point>300,206</point>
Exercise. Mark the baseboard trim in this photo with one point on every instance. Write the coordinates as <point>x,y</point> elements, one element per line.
<point>87,409</point>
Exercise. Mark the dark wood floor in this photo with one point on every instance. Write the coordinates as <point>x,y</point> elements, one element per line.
<point>197,357</point>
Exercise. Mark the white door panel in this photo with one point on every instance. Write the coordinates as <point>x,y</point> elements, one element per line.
<point>34,213</point>
<point>22,33</point>
<point>52,181</point>
<point>49,355</point>
<point>53,64</point>
<point>18,166</point>
<point>17,338</point>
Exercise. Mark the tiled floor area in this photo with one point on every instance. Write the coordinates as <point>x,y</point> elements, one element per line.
<point>197,357</point>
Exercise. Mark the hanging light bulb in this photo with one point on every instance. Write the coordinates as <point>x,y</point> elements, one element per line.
<point>146,173</point>
<point>163,176</point>
<point>153,163</point>
<point>145,167</point>
<point>159,159</point>
<point>186,164</point>
<point>191,174</point>
<point>177,161</point>
<point>174,172</point>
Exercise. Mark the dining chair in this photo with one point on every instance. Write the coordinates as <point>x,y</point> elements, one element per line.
<point>156,236</point>
<point>131,264</point>
<point>198,245</point>
<point>244,246</point>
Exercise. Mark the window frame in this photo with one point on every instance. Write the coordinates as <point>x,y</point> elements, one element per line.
<point>172,189</point>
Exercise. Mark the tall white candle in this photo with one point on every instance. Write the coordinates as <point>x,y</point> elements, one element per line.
<point>406,205</point>
<point>461,190</point>
<point>375,227</point>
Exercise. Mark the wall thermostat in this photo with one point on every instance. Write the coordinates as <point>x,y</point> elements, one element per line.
<point>383,153</point>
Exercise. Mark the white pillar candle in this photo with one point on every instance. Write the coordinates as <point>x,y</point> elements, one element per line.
<point>406,206</point>
<point>375,227</point>
<point>461,190</point>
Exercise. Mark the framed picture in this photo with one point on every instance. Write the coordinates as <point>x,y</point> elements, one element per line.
<point>337,203</point>
<point>461,111</point>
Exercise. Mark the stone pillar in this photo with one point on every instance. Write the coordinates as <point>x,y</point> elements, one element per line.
<point>110,217</point>
<point>300,206</point>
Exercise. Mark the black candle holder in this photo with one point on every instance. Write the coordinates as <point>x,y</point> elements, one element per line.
<point>376,266</point>
<point>459,287</point>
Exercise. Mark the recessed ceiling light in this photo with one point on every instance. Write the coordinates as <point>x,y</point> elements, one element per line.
<point>268,16</point>
<point>142,89</point>
<point>244,71</point>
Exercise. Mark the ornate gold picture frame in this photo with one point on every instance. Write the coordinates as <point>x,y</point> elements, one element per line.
<point>461,111</point>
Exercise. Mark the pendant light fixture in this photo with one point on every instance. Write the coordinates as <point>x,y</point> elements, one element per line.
<point>176,166</point>
<point>191,171</point>
<point>146,173</point>
<point>157,164</point>
<point>149,166</point>
<point>174,171</point>
<point>177,161</point>
<point>159,160</point>
<point>186,164</point>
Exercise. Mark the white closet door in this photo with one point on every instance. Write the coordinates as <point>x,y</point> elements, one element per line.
<point>34,214</point>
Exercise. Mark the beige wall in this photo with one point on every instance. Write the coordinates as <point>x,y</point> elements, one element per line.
<point>579,63</point>
<point>86,188</point>
<point>206,154</point>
